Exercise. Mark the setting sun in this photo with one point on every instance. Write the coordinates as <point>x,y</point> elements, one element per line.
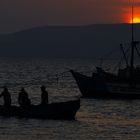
<point>135,20</point>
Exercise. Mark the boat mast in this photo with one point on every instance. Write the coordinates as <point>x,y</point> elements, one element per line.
<point>132,45</point>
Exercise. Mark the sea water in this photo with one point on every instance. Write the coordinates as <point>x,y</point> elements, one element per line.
<point>96,119</point>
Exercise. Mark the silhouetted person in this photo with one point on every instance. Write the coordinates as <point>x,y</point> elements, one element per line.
<point>6,97</point>
<point>44,96</point>
<point>23,99</point>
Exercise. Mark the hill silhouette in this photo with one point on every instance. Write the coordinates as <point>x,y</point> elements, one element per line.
<point>83,41</point>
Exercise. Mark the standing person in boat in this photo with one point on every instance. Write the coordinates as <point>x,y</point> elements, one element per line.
<point>44,96</point>
<point>23,98</point>
<point>6,97</point>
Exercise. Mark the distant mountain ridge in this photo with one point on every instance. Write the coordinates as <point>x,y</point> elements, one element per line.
<point>61,41</point>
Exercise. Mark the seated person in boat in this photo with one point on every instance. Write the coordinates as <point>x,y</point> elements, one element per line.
<point>6,97</point>
<point>44,96</point>
<point>23,99</point>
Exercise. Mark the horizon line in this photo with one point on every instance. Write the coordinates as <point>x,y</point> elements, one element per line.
<point>64,26</point>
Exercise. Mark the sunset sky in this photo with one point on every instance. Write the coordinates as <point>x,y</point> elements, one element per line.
<point>21,14</point>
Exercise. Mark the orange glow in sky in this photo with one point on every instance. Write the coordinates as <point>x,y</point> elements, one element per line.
<point>136,16</point>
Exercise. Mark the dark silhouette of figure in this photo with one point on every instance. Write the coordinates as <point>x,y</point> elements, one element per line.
<point>23,99</point>
<point>6,97</point>
<point>44,96</point>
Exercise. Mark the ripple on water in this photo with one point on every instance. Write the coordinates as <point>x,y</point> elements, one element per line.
<point>96,119</point>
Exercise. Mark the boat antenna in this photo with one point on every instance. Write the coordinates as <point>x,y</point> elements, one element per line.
<point>132,43</point>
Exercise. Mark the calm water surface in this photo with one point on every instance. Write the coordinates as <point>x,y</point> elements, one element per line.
<point>96,119</point>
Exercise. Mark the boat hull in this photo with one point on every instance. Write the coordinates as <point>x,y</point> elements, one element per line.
<point>96,87</point>
<point>62,111</point>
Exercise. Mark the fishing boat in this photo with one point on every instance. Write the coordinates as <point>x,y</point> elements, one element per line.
<point>125,84</point>
<point>59,111</point>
